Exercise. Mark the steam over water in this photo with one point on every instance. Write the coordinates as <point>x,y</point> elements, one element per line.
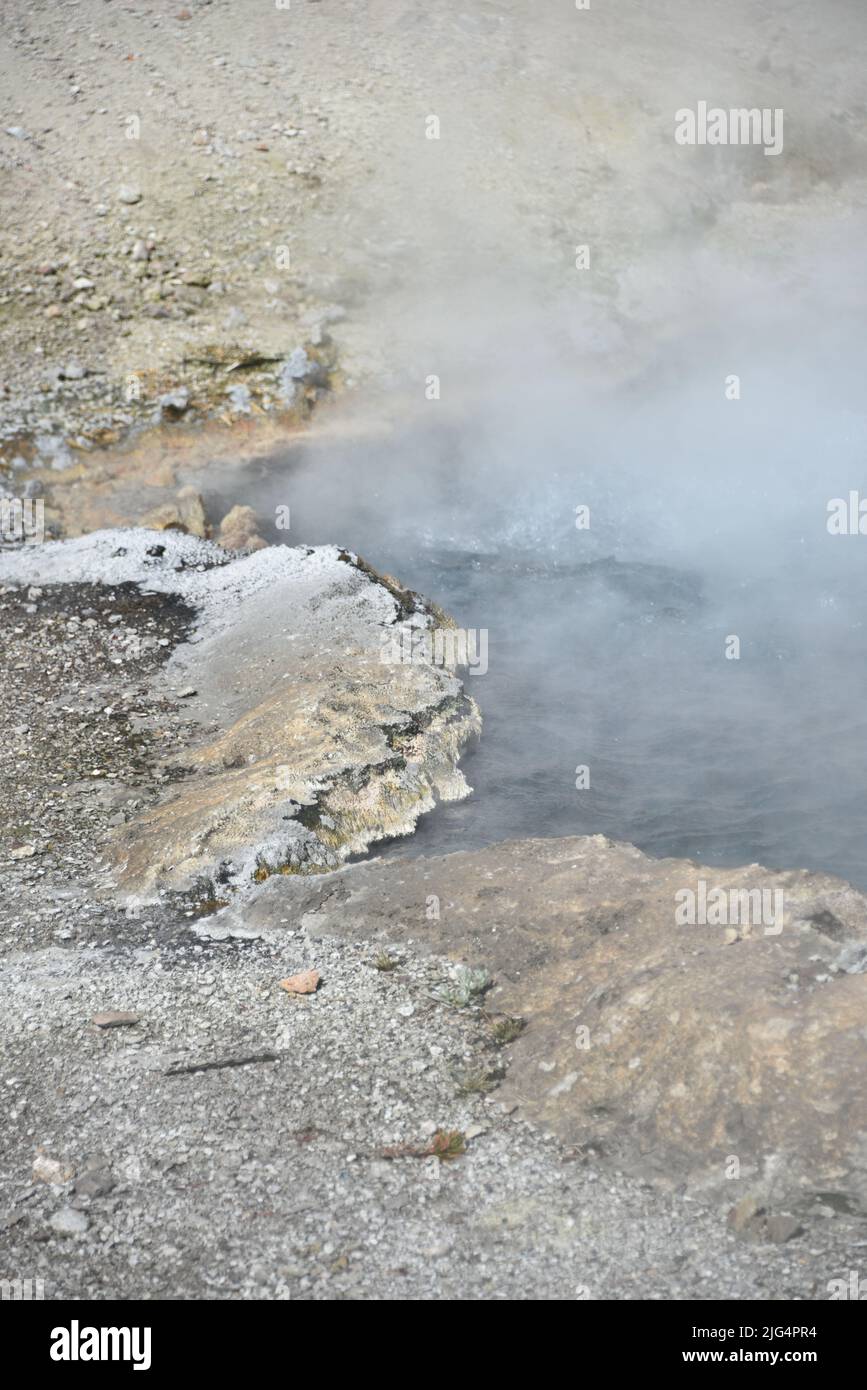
<point>607,646</point>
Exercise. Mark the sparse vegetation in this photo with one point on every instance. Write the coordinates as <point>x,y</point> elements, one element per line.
<point>506,1029</point>
<point>205,907</point>
<point>385,962</point>
<point>477,1081</point>
<point>264,871</point>
<point>465,985</point>
<point>448,1144</point>
<point>445,1144</point>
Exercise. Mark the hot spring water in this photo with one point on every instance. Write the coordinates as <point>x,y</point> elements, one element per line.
<point>687,673</point>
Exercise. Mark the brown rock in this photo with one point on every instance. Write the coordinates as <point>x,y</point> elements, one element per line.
<point>115,1018</point>
<point>51,1170</point>
<point>239,530</point>
<point>749,1220</point>
<point>781,1227</point>
<point>743,1212</point>
<point>166,517</point>
<point>307,982</point>
<point>186,513</point>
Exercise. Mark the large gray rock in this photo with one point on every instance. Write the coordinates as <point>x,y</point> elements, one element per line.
<point>726,1059</point>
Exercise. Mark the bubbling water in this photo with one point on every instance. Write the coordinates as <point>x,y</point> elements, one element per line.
<point>677,654</point>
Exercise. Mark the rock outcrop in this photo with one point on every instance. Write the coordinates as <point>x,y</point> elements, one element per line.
<point>186,513</point>
<point>306,746</point>
<point>724,1060</point>
<point>239,530</point>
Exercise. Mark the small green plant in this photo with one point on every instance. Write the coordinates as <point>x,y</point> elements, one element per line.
<point>385,962</point>
<point>445,1144</point>
<point>465,985</point>
<point>506,1029</point>
<point>476,1082</point>
<point>448,1144</point>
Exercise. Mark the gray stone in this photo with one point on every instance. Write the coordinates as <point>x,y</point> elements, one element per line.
<point>240,399</point>
<point>297,364</point>
<point>68,1222</point>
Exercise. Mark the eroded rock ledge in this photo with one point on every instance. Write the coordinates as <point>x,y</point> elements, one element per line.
<point>723,1061</point>
<point>307,746</point>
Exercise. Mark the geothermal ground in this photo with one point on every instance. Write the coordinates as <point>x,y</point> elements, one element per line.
<point>289,385</point>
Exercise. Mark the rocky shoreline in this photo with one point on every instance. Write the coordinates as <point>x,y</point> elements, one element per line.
<point>517,1072</point>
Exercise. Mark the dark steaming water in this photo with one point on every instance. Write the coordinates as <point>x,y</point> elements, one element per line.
<point>688,753</point>
<point>607,647</point>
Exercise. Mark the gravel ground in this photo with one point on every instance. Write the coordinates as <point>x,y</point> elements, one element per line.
<point>84,737</point>
<point>187,187</point>
<point>269,1178</point>
<point>143,217</point>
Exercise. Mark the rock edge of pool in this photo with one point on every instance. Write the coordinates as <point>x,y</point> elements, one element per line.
<point>545,1056</point>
